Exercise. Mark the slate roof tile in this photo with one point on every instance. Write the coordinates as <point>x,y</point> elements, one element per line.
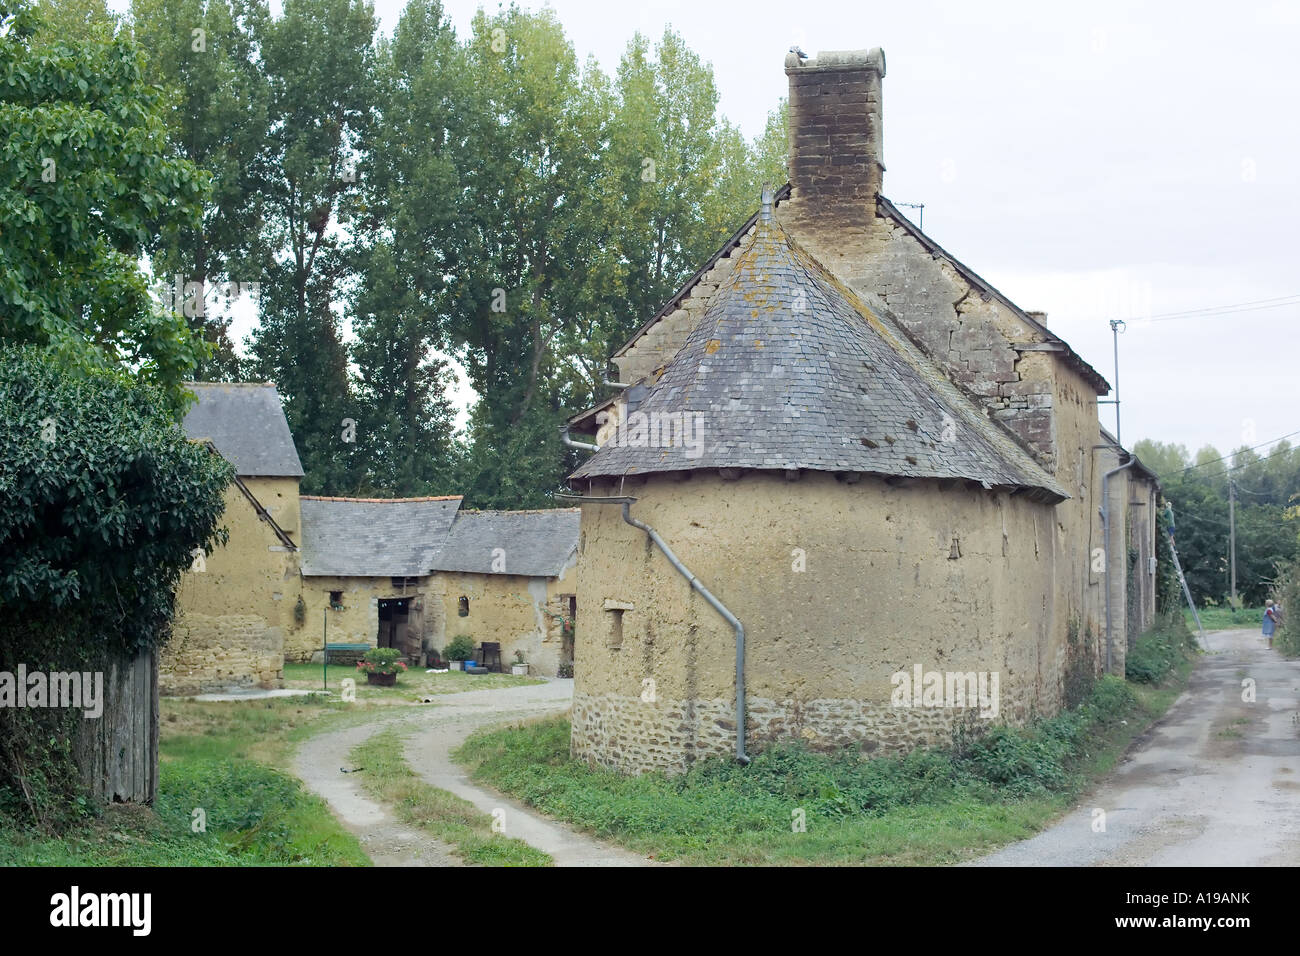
<point>246,423</point>
<point>789,369</point>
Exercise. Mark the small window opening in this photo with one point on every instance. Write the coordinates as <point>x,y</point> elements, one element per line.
<point>464,606</point>
<point>336,600</point>
<point>615,639</point>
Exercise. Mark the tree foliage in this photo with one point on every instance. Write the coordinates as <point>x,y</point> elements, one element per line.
<point>87,184</point>
<point>102,502</point>
<point>1267,491</point>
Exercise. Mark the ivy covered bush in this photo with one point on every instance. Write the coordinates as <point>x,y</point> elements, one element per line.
<point>103,502</point>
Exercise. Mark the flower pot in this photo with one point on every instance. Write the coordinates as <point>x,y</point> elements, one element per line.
<point>382,680</point>
<point>519,669</point>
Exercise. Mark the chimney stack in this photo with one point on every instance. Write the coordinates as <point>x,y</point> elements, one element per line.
<point>836,140</point>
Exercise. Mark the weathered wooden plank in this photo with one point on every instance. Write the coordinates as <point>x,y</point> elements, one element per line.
<point>117,754</point>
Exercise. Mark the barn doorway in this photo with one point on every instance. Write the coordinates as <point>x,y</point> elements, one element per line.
<point>394,622</point>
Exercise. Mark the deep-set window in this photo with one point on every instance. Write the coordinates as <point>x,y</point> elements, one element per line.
<point>615,637</point>
<point>336,600</point>
<point>463,610</point>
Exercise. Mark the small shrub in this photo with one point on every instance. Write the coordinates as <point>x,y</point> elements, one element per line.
<point>460,648</point>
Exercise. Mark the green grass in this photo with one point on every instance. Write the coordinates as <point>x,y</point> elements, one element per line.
<point>411,686</point>
<point>932,806</point>
<point>1225,618</point>
<point>1159,651</point>
<point>443,815</point>
<point>218,758</point>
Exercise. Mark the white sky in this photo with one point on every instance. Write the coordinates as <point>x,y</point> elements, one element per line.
<point>1107,160</point>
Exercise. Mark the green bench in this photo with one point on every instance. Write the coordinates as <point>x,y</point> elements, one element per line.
<point>355,648</point>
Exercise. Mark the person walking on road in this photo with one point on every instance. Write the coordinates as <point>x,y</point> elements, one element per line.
<point>1270,622</point>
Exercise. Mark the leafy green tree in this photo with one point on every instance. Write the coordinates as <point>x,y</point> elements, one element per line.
<point>320,63</point>
<point>204,52</point>
<point>684,177</point>
<point>87,185</point>
<point>1167,461</point>
<point>77,20</point>
<point>530,255</point>
<point>406,220</point>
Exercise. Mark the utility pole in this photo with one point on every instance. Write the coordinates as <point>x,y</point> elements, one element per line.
<point>1116,327</point>
<point>1232,536</point>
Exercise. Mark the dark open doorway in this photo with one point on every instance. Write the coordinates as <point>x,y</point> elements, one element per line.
<point>394,621</point>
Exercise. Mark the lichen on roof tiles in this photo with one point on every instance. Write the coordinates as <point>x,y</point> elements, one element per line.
<point>789,369</point>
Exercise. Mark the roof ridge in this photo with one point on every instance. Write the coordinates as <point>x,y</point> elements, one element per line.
<point>1082,366</point>
<point>516,511</point>
<point>373,501</point>
<point>229,384</point>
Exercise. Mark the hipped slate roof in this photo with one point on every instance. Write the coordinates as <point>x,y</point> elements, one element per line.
<point>370,537</point>
<point>246,423</point>
<point>788,369</point>
<point>532,543</point>
<point>411,537</point>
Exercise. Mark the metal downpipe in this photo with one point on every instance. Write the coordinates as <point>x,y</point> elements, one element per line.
<point>718,606</point>
<point>627,502</point>
<point>1105,537</point>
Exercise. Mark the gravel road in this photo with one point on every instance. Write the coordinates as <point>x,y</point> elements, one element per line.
<point>1215,783</point>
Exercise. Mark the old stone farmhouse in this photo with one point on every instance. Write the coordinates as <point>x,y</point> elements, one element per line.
<point>414,573</point>
<point>298,570</point>
<point>865,462</point>
<point>235,606</point>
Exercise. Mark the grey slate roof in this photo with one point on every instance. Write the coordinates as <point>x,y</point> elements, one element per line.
<point>371,537</point>
<point>246,423</point>
<point>789,369</point>
<point>533,543</point>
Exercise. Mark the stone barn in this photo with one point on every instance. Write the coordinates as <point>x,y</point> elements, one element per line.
<point>849,492</point>
<point>233,606</point>
<point>409,573</point>
<point>365,573</point>
<point>414,573</point>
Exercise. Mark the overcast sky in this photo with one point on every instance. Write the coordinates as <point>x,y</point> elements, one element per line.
<point>1121,160</point>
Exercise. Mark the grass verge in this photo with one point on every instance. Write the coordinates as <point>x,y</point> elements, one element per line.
<point>443,815</point>
<point>932,806</point>
<point>411,686</point>
<point>1225,618</point>
<point>218,759</point>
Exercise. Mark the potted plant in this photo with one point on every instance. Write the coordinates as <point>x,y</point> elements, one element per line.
<point>520,666</point>
<point>381,666</point>
<point>460,650</point>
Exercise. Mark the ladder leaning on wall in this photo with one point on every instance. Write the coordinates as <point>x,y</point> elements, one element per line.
<point>1186,591</point>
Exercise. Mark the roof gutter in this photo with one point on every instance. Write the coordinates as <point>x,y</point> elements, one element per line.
<point>581,445</point>
<point>627,502</point>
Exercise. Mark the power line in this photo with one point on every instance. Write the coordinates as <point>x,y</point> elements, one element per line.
<point>1232,308</point>
<point>1226,457</point>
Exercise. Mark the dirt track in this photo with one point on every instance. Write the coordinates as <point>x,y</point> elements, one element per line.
<point>1215,783</point>
<point>433,732</point>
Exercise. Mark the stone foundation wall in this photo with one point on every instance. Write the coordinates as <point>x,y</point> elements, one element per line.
<point>635,736</point>
<point>208,653</point>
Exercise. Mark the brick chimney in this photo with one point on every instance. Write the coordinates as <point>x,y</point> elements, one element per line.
<point>836,140</point>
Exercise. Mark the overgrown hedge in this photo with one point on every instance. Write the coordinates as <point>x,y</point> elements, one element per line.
<point>1287,588</point>
<point>102,502</point>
